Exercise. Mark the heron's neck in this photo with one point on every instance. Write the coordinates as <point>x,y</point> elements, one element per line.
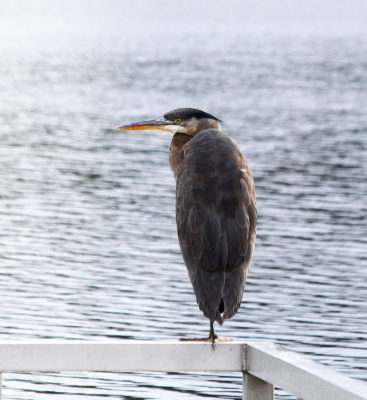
<point>176,154</point>
<point>197,125</point>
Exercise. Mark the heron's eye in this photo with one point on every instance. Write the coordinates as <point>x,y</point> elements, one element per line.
<point>178,120</point>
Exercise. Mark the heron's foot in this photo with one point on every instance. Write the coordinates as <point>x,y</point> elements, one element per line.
<point>214,340</point>
<point>208,339</point>
<point>211,339</point>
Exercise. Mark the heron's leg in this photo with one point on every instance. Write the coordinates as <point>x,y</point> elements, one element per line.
<point>212,335</point>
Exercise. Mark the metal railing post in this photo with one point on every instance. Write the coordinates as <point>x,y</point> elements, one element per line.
<point>256,389</point>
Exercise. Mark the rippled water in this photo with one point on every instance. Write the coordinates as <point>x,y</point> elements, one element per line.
<point>88,235</point>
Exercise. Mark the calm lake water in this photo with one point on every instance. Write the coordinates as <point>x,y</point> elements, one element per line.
<point>88,236</point>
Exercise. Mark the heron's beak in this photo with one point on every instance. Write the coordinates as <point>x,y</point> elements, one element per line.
<point>152,125</point>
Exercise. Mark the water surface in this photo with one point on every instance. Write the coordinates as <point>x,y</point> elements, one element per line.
<point>88,237</point>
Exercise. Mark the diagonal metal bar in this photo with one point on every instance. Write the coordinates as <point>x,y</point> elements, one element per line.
<point>300,376</point>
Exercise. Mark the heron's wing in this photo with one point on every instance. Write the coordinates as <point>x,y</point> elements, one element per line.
<point>216,222</point>
<point>217,234</point>
<point>204,250</point>
<point>217,251</point>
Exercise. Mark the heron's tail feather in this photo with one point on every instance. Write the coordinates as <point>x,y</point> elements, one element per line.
<point>208,287</point>
<point>233,290</point>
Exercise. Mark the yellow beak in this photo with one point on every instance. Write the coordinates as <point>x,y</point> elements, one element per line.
<point>152,125</point>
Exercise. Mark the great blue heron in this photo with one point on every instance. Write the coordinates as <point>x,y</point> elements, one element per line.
<point>215,208</point>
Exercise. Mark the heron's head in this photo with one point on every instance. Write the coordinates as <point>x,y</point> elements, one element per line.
<point>188,121</point>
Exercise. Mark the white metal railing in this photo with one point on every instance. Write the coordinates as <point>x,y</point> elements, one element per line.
<point>263,364</point>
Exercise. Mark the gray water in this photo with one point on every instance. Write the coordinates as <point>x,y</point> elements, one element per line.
<point>88,237</point>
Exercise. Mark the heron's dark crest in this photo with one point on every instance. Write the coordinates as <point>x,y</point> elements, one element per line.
<point>215,208</point>
<point>188,113</point>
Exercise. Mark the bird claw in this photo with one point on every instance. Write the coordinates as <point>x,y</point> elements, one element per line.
<point>211,339</point>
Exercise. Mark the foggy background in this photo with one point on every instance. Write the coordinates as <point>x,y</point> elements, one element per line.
<point>112,17</point>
